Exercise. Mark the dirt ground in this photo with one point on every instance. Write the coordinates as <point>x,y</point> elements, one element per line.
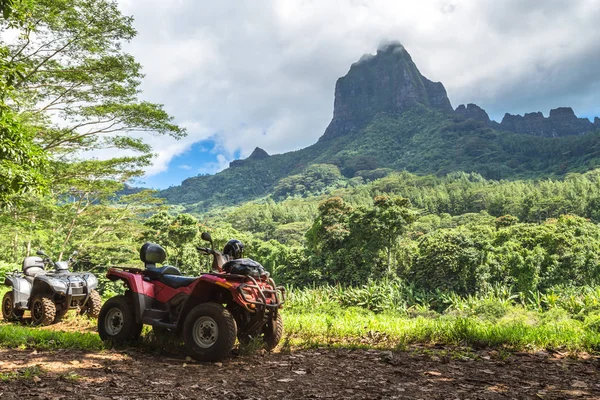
<point>321,373</point>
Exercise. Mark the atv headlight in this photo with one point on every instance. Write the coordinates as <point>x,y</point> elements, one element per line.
<point>58,286</point>
<point>92,281</point>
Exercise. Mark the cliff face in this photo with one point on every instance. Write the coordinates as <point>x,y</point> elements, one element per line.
<point>387,82</point>
<point>473,111</point>
<point>561,121</point>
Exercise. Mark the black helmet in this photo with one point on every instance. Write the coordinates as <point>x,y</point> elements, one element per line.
<point>234,248</point>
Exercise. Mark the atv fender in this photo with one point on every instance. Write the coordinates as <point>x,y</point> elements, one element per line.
<point>208,289</point>
<point>140,292</point>
<point>21,290</point>
<point>46,284</point>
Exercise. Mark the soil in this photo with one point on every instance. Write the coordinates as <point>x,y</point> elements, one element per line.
<point>419,373</point>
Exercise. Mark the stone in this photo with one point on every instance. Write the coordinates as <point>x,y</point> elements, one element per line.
<point>473,111</point>
<point>386,82</point>
<point>257,154</point>
<point>561,121</point>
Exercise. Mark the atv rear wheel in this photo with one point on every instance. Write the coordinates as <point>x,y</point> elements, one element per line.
<point>116,321</point>
<point>209,332</point>
<point>92,306</point>
<point>9,312</point>
<point>43,310</point>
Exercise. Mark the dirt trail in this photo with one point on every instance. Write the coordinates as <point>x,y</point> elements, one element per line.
<point>328,374</point>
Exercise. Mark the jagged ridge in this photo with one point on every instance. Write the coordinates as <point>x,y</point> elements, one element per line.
<point>561,121</point>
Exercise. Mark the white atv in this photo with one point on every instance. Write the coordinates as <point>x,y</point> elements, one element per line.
<point>49,294</point>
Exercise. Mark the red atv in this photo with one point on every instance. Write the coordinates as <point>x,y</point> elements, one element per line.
<point>238,299</point>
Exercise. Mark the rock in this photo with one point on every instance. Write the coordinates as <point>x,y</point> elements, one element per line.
<point>473,111</point>
<point>386,82</point>
<point>597,122</point>
<point>562,121</point>
<point>258,154</point>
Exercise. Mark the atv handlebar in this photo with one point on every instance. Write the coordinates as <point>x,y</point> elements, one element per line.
<point>205,250</point>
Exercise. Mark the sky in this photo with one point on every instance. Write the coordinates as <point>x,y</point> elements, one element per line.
<point>245,73</point>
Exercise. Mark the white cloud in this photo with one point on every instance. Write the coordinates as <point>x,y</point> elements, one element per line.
<point>214,167</point>
<point>262,73</point>
<point>185,167</point>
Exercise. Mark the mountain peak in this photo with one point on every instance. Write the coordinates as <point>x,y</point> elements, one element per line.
<point>388,81</point>
<point>258,154</point>
<point>473,111</point>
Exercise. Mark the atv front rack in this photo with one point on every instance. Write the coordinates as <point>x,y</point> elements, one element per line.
<point>276,295</point>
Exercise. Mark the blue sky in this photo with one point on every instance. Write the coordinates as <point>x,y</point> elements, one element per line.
<point>200,158</point>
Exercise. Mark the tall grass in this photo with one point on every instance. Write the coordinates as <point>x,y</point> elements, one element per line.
<point>393,314</point>
<point>400,297</point>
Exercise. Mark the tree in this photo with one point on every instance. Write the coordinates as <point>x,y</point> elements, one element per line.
<point>21,160</point>
<point>381,226</point>
<point>75,84</point>
<point>182,232</point>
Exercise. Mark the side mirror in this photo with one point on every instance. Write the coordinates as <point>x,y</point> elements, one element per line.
<point>206,236</point>
<point>40,253</point>
<point>74,253</point>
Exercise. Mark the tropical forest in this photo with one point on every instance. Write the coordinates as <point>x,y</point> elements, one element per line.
<point>425,250</point>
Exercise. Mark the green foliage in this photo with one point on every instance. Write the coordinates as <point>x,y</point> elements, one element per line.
<point>21,160</point>
<point>418,140</point>
<point>493,319</point>
<point>317,179</point>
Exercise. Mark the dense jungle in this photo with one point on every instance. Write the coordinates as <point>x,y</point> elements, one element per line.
<point>423,249</point>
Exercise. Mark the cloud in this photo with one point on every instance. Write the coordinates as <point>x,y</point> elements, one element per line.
<point>262,73</point>
<point>214,167</point>
<point>185,167</point>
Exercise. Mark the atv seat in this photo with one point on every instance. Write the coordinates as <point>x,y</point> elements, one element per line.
<point>33,266</point>
<point>176,281</point>
<point>157,273</point>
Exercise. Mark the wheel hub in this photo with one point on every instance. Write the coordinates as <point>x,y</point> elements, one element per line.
<point>7,307</point>
<point>37,311</point>
<point>206,332</point>
<point>114,321</point>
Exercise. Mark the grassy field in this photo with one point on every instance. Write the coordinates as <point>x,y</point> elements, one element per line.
<point>517,330</point>
<point>320,317</point>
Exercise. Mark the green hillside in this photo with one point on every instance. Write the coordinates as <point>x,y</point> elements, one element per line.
<point>420,140</point>
<point>388,117</point>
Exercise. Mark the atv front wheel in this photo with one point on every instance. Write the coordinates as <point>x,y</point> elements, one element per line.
<point>116,321</point>
<point>92,306</point>
<point>270,334</point>
<point>273,332</point>
<point>9,313</point>
<point>209,332</point>
<point>60,314</point>
<point>43,310</point>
